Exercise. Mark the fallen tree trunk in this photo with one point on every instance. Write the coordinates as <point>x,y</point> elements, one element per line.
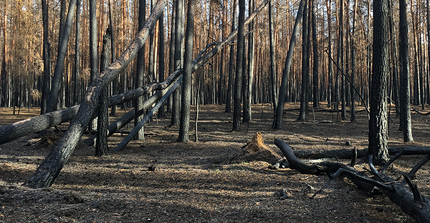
<point>348,153</point>
<point>411,201</point>
<point>35,124</point>
<point>48,171</point>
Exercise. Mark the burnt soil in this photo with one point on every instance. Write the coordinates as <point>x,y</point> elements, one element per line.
<point>194,182</point>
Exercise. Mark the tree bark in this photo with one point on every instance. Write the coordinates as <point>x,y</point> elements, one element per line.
<point>140,72</point>
<point>230,64</point>
<point>184,125</point>
<point>353,116</point>
<point>277,124</point>
<point>405,107</point>
<point>62,50</point>
<point>62,150</point>
<point>239,67</point>
<point>273,75</point>
<point>315,75</point>
<point>179,35</point>
<point>378,127</point>
<point>305,66</point>
<point>77,55</point>
<point>103,118</point>
<point>46,59</point>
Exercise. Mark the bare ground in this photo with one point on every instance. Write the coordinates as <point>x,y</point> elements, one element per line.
<point>193,182</point>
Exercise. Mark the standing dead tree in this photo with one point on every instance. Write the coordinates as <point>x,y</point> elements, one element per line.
<point>411,201</point>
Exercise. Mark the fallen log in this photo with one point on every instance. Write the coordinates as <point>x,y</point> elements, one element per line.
<point>35,124</point>
<point>348,153</point>
<point>411,201</point>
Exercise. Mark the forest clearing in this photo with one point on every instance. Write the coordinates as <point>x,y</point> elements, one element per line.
<point>194,182</point>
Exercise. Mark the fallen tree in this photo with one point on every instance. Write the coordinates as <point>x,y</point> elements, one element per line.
<point>48,171</point>
<point>411,201</point>
<point>35,124</point>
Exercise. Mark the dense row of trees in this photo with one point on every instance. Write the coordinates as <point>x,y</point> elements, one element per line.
<point>335,50</point>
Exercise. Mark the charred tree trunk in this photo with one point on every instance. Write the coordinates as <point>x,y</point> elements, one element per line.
<point>305,66</point>
<point>103,118</point>
<point>140,72</point>
<point>239,67</point>
<point>46,60</point>
<point>77,55</point>
<point>62,50</point>
<point>184,125</point>
<point>273,75</point>
<point>277,123</point>
<point>378,127</point>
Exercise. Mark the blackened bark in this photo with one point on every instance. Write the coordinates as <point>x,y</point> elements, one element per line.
<point>378,127</point>
<point>179,35</point>
<point>330,63</point>
<point>305,66</point>
<point>277,123</point>
<point>94,61</point>
<point>405,106</point>
<point>273,75</point>
<point>230,65</point>
<point>114,84</point>
<point>52,102</point>
<point>46,61</point>
<point>247,109</point>
<point>103,118</point>
<point>161,57</point>
<point>140,72</point>
<point>172,50</point>
<point>315,70</point>
<point>184,125</point>
<point>353,116</point>
<point>77,55</point>
<point>239,67</point>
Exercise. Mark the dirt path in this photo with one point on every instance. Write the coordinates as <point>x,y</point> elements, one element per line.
<point>192,182</point>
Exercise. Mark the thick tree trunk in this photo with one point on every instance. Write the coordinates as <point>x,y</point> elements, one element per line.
<point>378,127</point>
<point>277,124</point>
<point>62,150</point>
<point>62,50</point>
<point>184,125</point>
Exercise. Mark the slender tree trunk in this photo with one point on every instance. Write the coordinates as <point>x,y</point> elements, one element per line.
<point>378,127</point>
<point>239,66</point>
<point>103,119</point>
<point>230,64</point>
<point>342,58</point>
<point>405,110</point>
<point>161,57</point>
<point>353,117</point>
<point>52,103</point>
<point>172,50</point>
<point>94,62</point>
<point>184,126</point>
<point>251,54</point>
<point>316,102</point>
<point>395,67</point>
<point>273,76</point>
<point>286,72</point>
<point>111,25</point>
<point>179,26</point>
<point>46,59</point>
<point>140,72</point>
<point>330,63</point>
<point>305,65</point>
<point>77,55</point>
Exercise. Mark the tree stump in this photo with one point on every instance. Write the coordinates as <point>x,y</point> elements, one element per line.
<point>255,150</point>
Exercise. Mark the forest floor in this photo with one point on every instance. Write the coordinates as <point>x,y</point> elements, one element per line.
<point>194,182</point>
